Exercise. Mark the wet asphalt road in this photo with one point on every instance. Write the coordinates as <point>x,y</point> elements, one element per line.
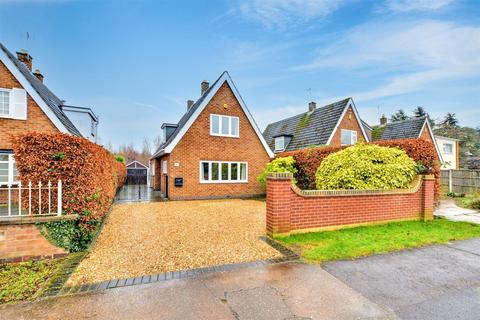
<point>437,282</point>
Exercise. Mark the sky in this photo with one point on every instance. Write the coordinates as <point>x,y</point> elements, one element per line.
<point>136,63</point>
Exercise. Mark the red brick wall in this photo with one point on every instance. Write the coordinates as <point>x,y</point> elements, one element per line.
<point>197,144</point>
<point>36,119</point>
<point>289,212</point>
<point>23,241</point>
<point>349,122</point>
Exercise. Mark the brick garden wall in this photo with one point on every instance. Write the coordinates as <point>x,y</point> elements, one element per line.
<point>291,210</point>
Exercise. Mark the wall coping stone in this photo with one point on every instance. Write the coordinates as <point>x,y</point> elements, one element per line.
<point>35,219</point>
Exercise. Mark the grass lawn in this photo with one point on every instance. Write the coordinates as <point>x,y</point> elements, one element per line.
<point>362,241</point>
<point>28,280</point>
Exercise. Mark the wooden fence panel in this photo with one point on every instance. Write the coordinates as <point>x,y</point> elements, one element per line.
<point>461,181</point>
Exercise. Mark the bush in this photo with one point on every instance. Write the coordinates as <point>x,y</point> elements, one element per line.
<point>366,167</point>
<point>120,158</point>
<point>283,164</point>
<point>421,151</point>
<point>90,176</point>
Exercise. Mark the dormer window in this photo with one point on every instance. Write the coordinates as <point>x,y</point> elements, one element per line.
<point>279,143</point>
<point>224,126</point>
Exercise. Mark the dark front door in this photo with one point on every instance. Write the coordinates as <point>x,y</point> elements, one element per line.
<point>166,186</point>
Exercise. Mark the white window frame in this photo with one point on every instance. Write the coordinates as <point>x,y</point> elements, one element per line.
<point>353,136</point>
<point>451,148</point>
<point>11,164</point>
<point>10,104</point>
<point>239,163</point>
<point>277,140</point>
<point>229,129</point>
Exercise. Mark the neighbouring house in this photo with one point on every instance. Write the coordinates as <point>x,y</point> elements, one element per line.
<point>413,128</point>
<point>335,124</point>
<point>450,151</point>
<point>84,119</point>
<point>137,173</point>
<point>216,149</point>
<point>27,105</point>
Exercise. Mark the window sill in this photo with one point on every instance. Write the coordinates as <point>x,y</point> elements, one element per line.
<point>222,182</point>
<point>223,135</point>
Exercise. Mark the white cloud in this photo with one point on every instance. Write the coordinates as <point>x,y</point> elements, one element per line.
<point>416,5</point>
<point>411,56</point>
<point>279,13</point>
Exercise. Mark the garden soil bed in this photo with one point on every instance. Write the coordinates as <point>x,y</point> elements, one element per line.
<point>147,238</point>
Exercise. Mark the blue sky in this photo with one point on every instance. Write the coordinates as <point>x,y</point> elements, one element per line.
<point>137,62</point>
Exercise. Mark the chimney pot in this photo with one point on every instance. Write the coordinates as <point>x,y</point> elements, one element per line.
<point>37,73</point>
<point>204,86</point>
<point>189,104</point>
<point>383,120</point>
<point>26,58</point>
<point>312,106</point>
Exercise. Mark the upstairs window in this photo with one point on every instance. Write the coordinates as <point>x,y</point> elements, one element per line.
<point>4,102</point>
<point>280,143</point>
<point>447,148</point>
<point>348,137</point>
<point>225,126</point>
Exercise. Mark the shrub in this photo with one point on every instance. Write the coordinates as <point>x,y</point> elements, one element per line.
<point>120,158</point>
<point>366,167</point>
<point>89,173</point>
<point>283,164</point>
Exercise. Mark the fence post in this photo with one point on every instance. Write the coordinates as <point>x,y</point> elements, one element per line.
<point>450,183</point>
<point>59,198</point>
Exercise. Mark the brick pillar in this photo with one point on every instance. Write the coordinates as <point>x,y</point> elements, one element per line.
<point>428,195</point>
<point>279,192</point>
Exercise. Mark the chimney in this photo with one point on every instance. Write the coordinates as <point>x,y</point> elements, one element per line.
<point>312,106</point>
<point>39,75</point>
<point>204,86</point>
<point>383,120</point>
<point>189,104</point>
<point>24,57</point>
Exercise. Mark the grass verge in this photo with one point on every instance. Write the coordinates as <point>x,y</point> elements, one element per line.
<point>28,280</point>
<point>363,241</point>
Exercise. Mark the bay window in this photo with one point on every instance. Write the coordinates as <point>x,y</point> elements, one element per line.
<point>223,172</point>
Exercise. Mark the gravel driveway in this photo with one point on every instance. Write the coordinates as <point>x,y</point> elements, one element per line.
<point>146,238</point>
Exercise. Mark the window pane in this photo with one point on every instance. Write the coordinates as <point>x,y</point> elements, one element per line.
<point>3,176</point>
<point>234,126</point>
<point>354,136</point>
<point>234,171</point>
<point>4,102</point>
<point>224,171</point>
<point>345,137</point>
<point>3,165</point>
<point>3,157</point>
<point>243,171</point>
<point>214,170</point>
<point>205,167</point>
<point>215,124</point>
<point>225,121</point>
<point>279,143</point>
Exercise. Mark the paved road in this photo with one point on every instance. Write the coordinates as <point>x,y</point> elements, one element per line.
<point>437,282</point>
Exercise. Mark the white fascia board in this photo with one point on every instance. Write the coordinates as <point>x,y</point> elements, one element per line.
<point>224,78</point>
<point>359,121</point>
<point>32,92</point>
<point>427,123</point>
<point>135,161</point>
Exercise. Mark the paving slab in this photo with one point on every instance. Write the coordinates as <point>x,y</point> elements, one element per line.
<point>415,283</point>
<point>449,210</point>
<point>281,291</point>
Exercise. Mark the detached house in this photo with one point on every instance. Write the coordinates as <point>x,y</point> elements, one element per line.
<point>216,149</point>
<point>27,105</point>
<point>335,124</point>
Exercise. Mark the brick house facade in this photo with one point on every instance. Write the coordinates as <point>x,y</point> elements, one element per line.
<point>215,151</point>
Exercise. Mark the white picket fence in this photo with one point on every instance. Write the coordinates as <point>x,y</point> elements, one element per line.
<point>13,196</point>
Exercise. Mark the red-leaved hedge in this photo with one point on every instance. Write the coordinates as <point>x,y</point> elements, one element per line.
<point>308,160</point>
<point>90,174</point>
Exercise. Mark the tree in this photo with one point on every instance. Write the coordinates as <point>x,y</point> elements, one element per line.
<point>419,112</point>
<point>450,120</point>
<point>400,115</point>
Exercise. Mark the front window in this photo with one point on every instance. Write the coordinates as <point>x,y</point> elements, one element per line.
<point>225,126</point>
<point>8,169</point>
<point>348,137</point>
<point>447,148</point>
<point>4,102</point>
<point>223,172</point>
<point>279,143</point>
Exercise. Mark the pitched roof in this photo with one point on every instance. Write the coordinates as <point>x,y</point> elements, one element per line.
<point>306,129</point>
<point>406,129</point>
<point>192,113</point>
<point>48,97</point>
